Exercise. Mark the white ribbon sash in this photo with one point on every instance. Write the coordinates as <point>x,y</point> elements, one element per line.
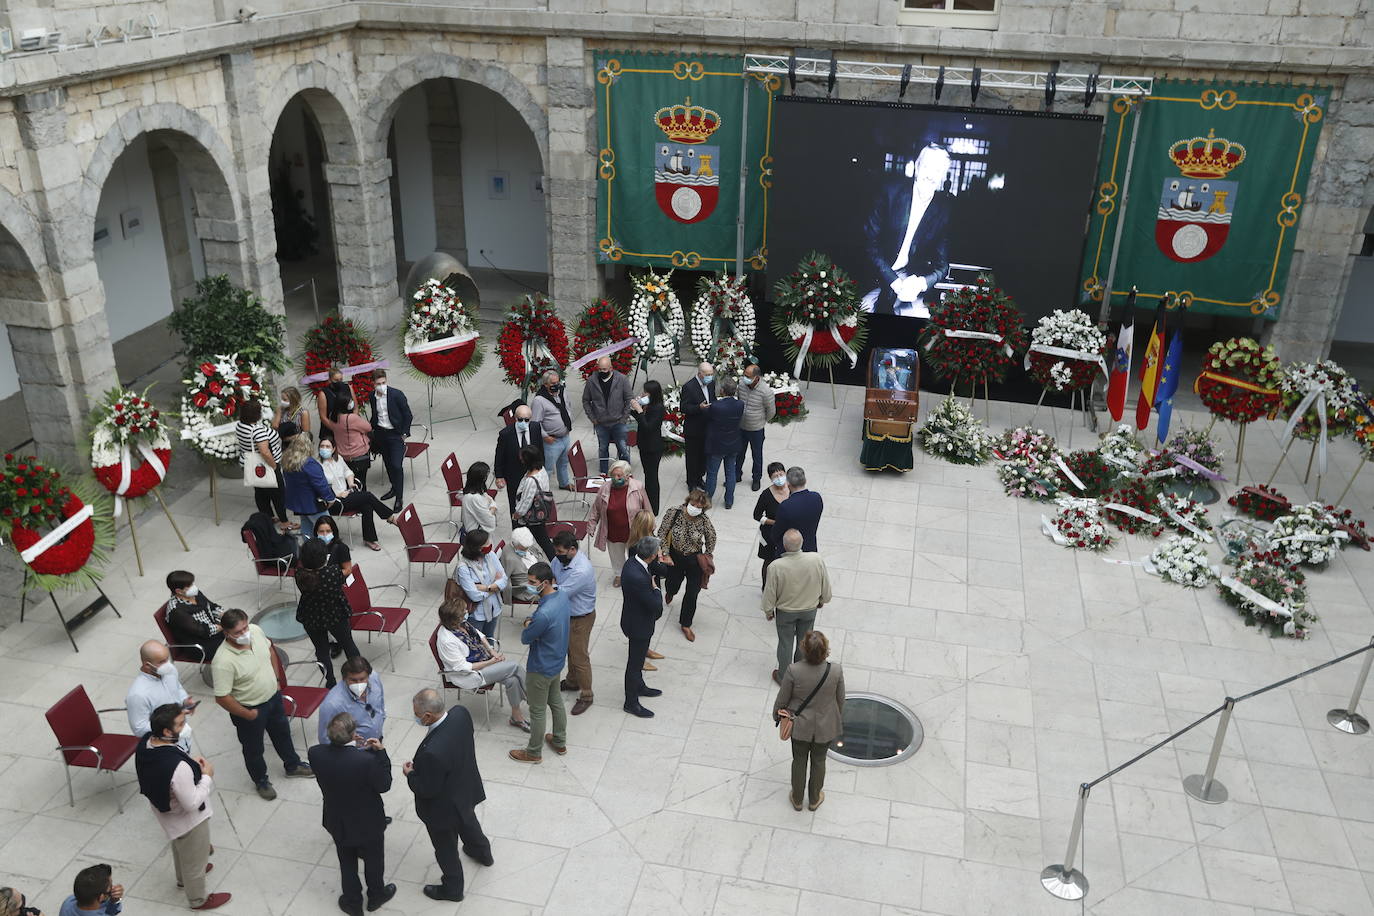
<point>1255,598</point>
<point>1048,529</point>
<point>805,348</point>
<point>126,472</point>
<point>977,335</point>
<point>1132,510</point>
<point>1316,396</point>
<point>1064,353</point>
<point>1196,468</point>
<point>603,351</point>
<point>213,432</point>
<point>40,547</point>
<point>443,343</point>
<point>1180,520</point>
<point>1073,478</point>
<point>346,371</point>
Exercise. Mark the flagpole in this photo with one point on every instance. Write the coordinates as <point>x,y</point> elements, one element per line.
<point>743,179</point>
<point>1121,217</point>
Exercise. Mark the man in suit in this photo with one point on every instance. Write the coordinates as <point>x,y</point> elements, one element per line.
<point>802,511</point>
<point>606,402</point>
<point>391,420</point>
<point>643,605</point>
<point>447,788</point>
<point>506,465</point>
<point>723,439</point>
<point>697,395</point>
<point>906,239</point>
<point>352,780</point>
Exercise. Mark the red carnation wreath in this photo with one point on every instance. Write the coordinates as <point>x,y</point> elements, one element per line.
<point>600,324</point>
<point>439,334</point>
<point>973,335</point>
<point>1239,380</point>
<point>339,342</point>
<point>532,340</point>
<point>36,502</point>
<point>129,437</point>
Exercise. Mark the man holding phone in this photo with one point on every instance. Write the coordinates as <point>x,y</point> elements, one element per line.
<point>358,693</point>
<point>157,684</point>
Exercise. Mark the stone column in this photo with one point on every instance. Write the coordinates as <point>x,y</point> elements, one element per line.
<point>445,136</point>
<point>360,198</point>
<point>570,188</point>
<point>176,235</point>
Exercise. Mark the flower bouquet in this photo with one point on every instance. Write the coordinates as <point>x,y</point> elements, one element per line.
<point>339,342</point>
<point>1087,475</point>
<point>1352,526</point>
<point>673,441</point>
<point>439,334</point>
<point>1066,351</point>
<point>816,315</point>
<point>1077,525</point>
<point>953,433</point>
<point>1122,449</point>
<point>1309,535</point>
<point>56,532</point>
<point>1262,502</point>
<point>973,336</point>
<point>655,317</point>
<point>602,324</point>
<point>1238,380</point>
<point>1308,387</point>
<point>1028,467</point>
<point>126,422</point>
<point>1195,455</point>
<point>723,325</point>
<point>532,341</point>
<point>1270,594</point>
<point>1181,559</point>
<point>210,406</point>
<point>1132,505</point>
<point>1184,515</point>
<point>788,402</point>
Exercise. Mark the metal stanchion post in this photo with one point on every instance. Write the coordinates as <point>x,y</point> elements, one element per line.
<point>1348,720</point>
<point>1204,786</point>
<point>1063,881</point>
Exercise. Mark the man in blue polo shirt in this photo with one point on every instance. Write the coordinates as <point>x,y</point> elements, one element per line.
<point>358,693</point>
<point>546,633</point>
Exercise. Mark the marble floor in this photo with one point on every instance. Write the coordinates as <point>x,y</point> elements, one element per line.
<point>1033,669</point>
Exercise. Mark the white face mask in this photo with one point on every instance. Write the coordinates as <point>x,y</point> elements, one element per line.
<point>166,669</point>
<point>245,640</point>
<point>780,481</point>
<point>644,399</point>
<point>694,511</point>
<point>358,689</point>
<point>381,391</point>
<point>192,590</point>
<point>285,403</point>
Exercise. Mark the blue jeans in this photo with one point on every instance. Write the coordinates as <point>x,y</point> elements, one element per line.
<point>751,438</point>
<point>556,455</point>
<point>605,435</point>
<point>487,627</point>
<point>713,463</point>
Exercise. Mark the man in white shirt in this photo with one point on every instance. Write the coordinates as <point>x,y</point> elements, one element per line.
<point>157,684</point>
<point>906,239</point>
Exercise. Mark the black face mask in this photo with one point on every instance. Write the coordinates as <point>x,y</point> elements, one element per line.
<point>566,560</point>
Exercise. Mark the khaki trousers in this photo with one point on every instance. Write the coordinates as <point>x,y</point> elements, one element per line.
<point>579,653</point>
<point>190,853</point>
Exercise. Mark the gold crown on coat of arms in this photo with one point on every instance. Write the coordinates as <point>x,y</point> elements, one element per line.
<point>687,123</point>
<point>1206,157</point>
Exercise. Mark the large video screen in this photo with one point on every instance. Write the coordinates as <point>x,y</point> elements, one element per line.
<point>915,201</point>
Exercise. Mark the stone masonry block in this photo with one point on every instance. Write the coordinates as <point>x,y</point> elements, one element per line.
<point>1234,27</point>
<point>1148,24</point>
<point>1319,30</point>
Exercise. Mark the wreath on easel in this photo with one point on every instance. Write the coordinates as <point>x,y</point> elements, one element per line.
<point>532,341</point>
<point>440,334</point>
<point>723,325</point>
<point>817,316</point>
<point>60,531</point>
<point>130,448</point>
<point>1238,380</point>
<point>339,342</point>
<point>655,317</point>
<point>602,324</point>
<point>973,336</point>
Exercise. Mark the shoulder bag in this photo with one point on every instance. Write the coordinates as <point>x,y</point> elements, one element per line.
<point>668,532</point>
<point>785,718</point>
<point>256,473</point>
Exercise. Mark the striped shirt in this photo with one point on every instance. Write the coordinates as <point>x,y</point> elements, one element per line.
<point>250,434</point>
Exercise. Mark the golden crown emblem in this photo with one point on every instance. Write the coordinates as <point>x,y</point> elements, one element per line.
<point>687,123</point>
<point>1207,157</point>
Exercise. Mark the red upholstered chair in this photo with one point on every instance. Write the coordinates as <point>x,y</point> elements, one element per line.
<point>555,524</point>
<point>184,652</point>
<point>446,684</point>
<point>369,618</point>
<point>418,549</point>
<point>453,482</point>
<point>300,701</point>
<point>278,568</point>
<point>632,438</point>
<point>416,449</point>
<point>507,414</point>
<point>583,482</point>
<point>83,741</point>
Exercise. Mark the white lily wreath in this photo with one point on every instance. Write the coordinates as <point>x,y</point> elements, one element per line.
<point>655,317</point>
<point>723,323</point>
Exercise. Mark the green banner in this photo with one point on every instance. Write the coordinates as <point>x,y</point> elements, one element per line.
<point>670,129</point>
<point>1217,184</point>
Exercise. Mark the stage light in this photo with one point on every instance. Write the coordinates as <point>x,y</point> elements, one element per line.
<point>1090,92</point>
<point>1051,85</point>
<point>968,125</point>
<point>792,72</point>
<point>939,83</point>
<point>976,83</point>
<point>906,80</point>
<point>247,13</point>
<point>997,182</point>
<point>830,83</point>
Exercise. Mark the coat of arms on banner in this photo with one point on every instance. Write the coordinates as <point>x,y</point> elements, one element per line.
<point>685,181</point>
<point>1195,208</point>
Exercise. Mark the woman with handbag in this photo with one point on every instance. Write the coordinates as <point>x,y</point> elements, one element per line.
<point>533,497</point>
<point>472,662</point>
<point>260,446</point>
<point>352,434</point>
<point>323,608</point>
<point>816,686</point>
<point>619,500</point>
<point>352,499</point>
<point>690,539</point>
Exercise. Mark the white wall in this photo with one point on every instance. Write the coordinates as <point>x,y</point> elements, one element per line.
<point>512,231</point>
<point>415,175</point>
<point>133,270</point>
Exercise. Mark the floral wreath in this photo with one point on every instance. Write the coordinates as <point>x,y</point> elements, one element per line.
<point>673,417</point>
<point>1132,507</point>
<point>1185,515</point>
<point>789,404</point>
<point>210,406</point>
<point>974,334</point>
<point>339,342</point>
<point>1066,351</point>
<point>1028,467</point>
<point>1181,559</point>
<point>439,335</point>
<point>655,317</point>
<point>952,433</point>
<point>1091,475</point>
<point>1270,593</point>
<point>1309,535</point>
<point>60,531</point>
<point>1077,525</point>
<point>1364,430</point>
<point>723,325</point>
<point>126,422</point>
<point>1261,501</point>
<point>1238,380</point>
<point>532,341</point>
<point>816,315</point>
<point>1308,386</point>
<point>602,324</point>
<point>1194,455</point>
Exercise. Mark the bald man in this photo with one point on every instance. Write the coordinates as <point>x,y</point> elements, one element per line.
<point>157,684</point>
<point>697,395</point>
<point>606,402</point>
<point>797,586</point>
<point>506,465</point>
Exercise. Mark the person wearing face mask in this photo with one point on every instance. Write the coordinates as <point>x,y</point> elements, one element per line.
<point>520,553</point>
<point>479,509</point>
<point>723,439</point>
<point>323,609</point>
<point>352,434</point>
<point>577,583</point>
<point>697,395</point>
<point>649,413</point>
<point>391,419</point>
<point>334,394</point>
<point>606,402</point>
<point>760,404</point>
<point>472,662</point>
<point>358,693</point>
<point>612,511</point>
<point>290,417</point>
<point>253,434</point>
<point>549,409</point>
<point>509,441</point>
<point>157,684</point>
<point>546,633</point>
<point>478,575</point>
<point>327,532</point>
<point>766,512</point>
<point>191,616</point>
<point>94,891</point>
<point>350,498</point>
<point>307,490</point>
<point>690,539</point>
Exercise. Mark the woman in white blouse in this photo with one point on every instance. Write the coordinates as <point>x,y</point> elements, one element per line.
<point>479,509</point>
<point>471,662</point>
<point>341,480</point>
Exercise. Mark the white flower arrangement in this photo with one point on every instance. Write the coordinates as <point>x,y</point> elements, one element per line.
<point>1071,330</point>
<point>1065,349</point>
<point>1185,515</point>
<point>1308,536</point>
<point>1061,375</point>
<point>1270,595</point>
<point>655,316</point>
<point>723,299</point>
<point>782,383</point>
<point>436,313</point>
<point>1341,393</point>
<point>1181,559</point>
<point>1077,524</point>
<point>215,389</point>
<point>951,432</point>
<point>1122,448</point>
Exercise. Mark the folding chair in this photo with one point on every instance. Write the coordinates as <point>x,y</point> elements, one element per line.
<point>416,449</point>
<point>446,684</point>
<point>419,550</point>
<point>554,524</point>
<point>583,483</point>
<point>369,618</point>
<point>273,567</point>
<point>84,742</point>
<point>301,702</point>
<point>181,652</point>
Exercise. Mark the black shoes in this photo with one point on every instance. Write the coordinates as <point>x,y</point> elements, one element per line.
<point>484,859</point>
<point>437,892</point>
<point>389,494</point>
<point>650,692</point>
<point>754,485</point>
<point>640,711</point>
<point>376,903</point>
<point>354,908</point>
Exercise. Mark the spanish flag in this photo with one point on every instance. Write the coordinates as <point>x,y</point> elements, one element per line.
<point>1149,369</point>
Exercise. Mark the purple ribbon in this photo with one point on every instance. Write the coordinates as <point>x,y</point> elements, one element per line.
<point>348,371</point>
<point>1192,465</point>
<point>604,351</point>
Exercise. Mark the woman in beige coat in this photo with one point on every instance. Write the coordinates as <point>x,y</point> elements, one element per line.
<point>815,723</point>
<point>619,500</point>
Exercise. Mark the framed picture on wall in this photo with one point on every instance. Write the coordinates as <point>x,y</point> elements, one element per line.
<point>101,237</point>
<point>498,185</point>
<point>536,185</point>
<point>131,221</point>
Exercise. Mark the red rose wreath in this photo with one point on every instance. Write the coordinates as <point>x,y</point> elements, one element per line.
<point>339,342</point>
<point>130,447</point>
<point>601,324</point>
<point>973,335</point>
<point>56,532</point>
<point>1239,380</point>
<point>532,340</point>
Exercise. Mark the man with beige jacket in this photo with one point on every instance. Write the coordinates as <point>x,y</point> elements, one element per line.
<point>797,587</point>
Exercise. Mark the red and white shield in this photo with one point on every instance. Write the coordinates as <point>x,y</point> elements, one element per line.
<point>686,185</point>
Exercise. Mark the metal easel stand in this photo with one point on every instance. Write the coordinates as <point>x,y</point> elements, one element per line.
<point>1307,475</point>
<point>466,416</point>
<point>85,614</point>
<point>831,369</point>
<point>643,364</point>
<point>133,529</point>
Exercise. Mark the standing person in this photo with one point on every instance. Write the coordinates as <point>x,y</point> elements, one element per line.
<point>254,435</point>
<point>797,589</point>
<point>178,786</point>
<point>191,616</point>
<point>606,402</point>
<point>697,394</point>
<point>723,439</point>
<point>812,696</point>
<point>290,417</point>
<point>533,498</point>
<point>549,409</point>
<point>351,498</point>
<point>327,533</point>
<point>332,395</point>
<point>353,771</point>
<point>391,420</point>
<point>157,684</point>
<point>478,574</point>
<point>760,405</point>
<point>94,891</point>
<point>448,787</point>
<point>546,633</point>
<point>766,513</point>
<point>308,493</point>
<point>519,554</point>
<point>689,535</point>
<point>245,677</point>
<point>802,511</point>
<point>649,413</point>
<point>352,434</point>
<point>479,509</point>
<point>615,505</point>
<point>642,605</point>
<point>472,662</point>
<point>359,694</point>
<point>323,609</point>
<point>509,442</point>
<point>577,583</point>
<point>642,526</point>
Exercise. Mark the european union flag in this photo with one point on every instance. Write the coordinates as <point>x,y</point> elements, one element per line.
<point>1168,384</point>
